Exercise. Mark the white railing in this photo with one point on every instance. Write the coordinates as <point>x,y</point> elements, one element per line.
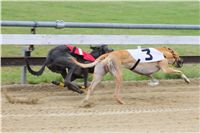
<point>44,39</point>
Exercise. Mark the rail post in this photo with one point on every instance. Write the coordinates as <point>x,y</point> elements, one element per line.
<point>27,53</point>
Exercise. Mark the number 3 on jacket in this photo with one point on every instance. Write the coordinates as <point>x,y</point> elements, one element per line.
<point>146,54</point>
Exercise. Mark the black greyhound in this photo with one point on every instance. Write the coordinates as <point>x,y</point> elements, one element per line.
<point>58,61</point>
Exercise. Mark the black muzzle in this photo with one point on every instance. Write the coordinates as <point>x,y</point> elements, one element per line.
<point>179,63</point>
<point>110,50</point>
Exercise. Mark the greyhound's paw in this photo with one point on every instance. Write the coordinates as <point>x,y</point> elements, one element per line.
<point>80,91</point>
<point>86,104</point>
<point>187,80</point>
<point>55,82</point>
<point>75,88</point>
<point>58,83</point>
<point>119,100</point>
<point>83,87</point>
<point>153,82</point>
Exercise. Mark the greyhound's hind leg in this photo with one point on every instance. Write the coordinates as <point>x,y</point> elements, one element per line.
<point>99,72</point>
<point>118,80</point>
<point>115,70</point>
<point>69,84</point>
<point>85,77</point>
<point>86,101</point>
<point>64,62</point>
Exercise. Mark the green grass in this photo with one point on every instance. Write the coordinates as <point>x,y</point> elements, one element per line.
<point>11,75</point>
<point>117,12</point>
<point>176,12</point>
<point>110,12</point>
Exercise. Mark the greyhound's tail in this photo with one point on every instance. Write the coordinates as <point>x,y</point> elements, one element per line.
<point>36,73</point>
<point>89,64</point>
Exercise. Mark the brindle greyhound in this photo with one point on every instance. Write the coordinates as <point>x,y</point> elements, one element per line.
<point>58,61</point>
<point>112,62</point>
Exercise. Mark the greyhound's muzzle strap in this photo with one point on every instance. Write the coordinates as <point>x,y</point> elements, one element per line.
<point>135,65</point>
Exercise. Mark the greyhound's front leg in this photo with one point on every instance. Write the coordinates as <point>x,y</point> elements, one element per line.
<point>170,70</point>
<point>165,69</point>
<point>68,82</point>
<point>153,81</point>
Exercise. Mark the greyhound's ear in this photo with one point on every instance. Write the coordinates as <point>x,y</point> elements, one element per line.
<point>104,46</point>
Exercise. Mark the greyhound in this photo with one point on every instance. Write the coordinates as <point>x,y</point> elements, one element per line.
<point>144,61</point>
<point>58,61</point>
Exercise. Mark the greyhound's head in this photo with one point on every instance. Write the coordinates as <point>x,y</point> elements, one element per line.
<point>173,57</point>
<point>99,50</point>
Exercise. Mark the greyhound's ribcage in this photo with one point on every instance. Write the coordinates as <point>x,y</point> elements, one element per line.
<point>146,68</point>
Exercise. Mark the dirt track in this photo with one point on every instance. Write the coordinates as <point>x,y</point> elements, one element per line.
<point>172,106</point>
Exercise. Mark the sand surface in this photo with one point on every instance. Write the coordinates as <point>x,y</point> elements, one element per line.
<point>172,106</point>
